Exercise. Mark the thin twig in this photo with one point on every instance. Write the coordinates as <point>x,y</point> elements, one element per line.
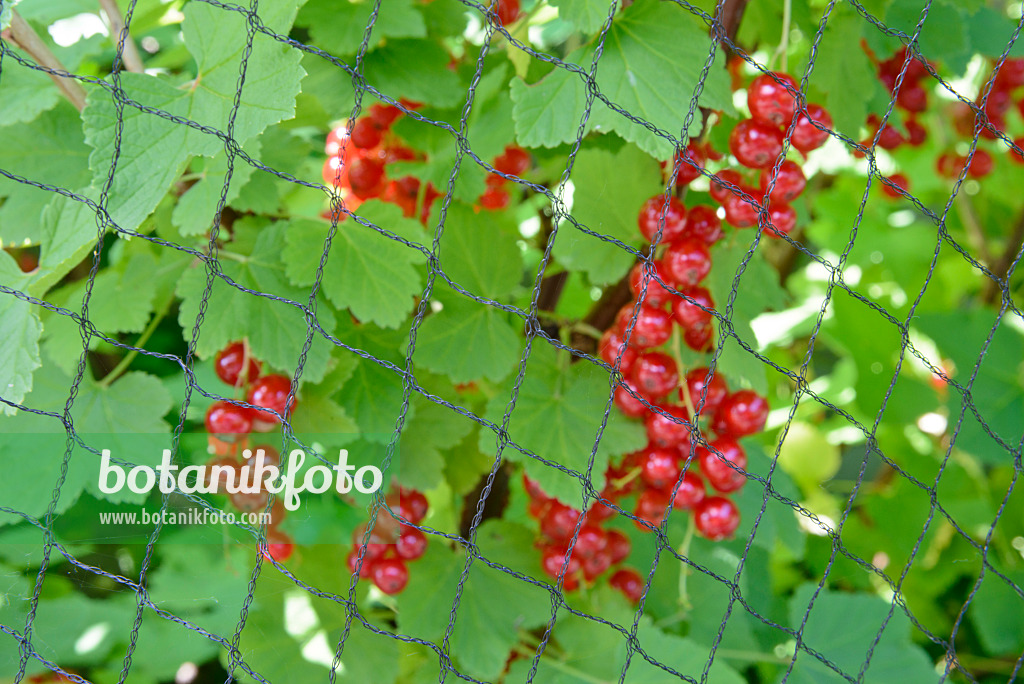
<point>1002,267</point>
<point>129,53</point>
<point>25,37</point>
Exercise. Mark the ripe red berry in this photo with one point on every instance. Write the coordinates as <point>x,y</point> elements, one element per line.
<point>655,374</point>
<point>553,559</point>
<point>594,566</point>
<point>223,418</point>
<point>691,491</point>
<point>770,101</point>
<point>702,223</point>
<point>686,262</point>
<point>367,133</point>
<point>656,295</point>
<point>618,547</point>
<point>716,517</point>
<point>741,413</point>
<point>1011,73</point>
<point>559,523</point>
<point>806,136</point>
<point>366,570</point>
<point>718,190</point>
<point>235,364</point>
<point>739,212</point>
<point>508,11</point>
<point>712,392</point>
<point>366,177</point>
<point>651,507</point>
<point>981,164</point>
<point>660,468</point>
<point>755,144</point>
<point>1014,154</point>
<point>410,504</point>
<point>334,172</point>
<point>629,582</point>
<point>335,139</point>
<point>688,311</point>
<point>278,546</point>
<point>690,162</point>
<point>698,339</point>
<point>270,392</point>
<point>789,182</point>
<point>782,219</point>
<point>650,219</point>
<point>494,199</point>
<point>889,138</point>
<point>630,406</point>
<point>390,575</point>
<point>611,346</point>
<point>949,164</point>
<point>590,541</point>
<point>716,467</point>
<point>652,329</point>
<point>900,181</point>
<point>514,161</point>
<point>385,114</point>
<point>912,97</point>
<point>411,544</point>
<point>916,133</point>
<point>668,430</point>
<point>249,502</point>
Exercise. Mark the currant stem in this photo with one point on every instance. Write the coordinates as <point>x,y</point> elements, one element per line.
<point>684,572</point>
<point>126,361</point>
<point>782,49</point>
<point>25,37</point>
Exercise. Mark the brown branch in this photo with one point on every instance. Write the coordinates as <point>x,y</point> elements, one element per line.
<point>732,14</point>
<point>25,37</point>
<point>129,53</point>
<point>1002,267</point>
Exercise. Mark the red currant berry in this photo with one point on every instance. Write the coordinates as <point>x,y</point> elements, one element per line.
<point>666,431</point>
<point>656,294</point>
<point>741,413</point>
<point>611,346</point>
<point>538,508</point>
<point>653,326</point>
<point>385,114</point>
<point>1011,73</point>
<point>806,136</point>
<point>650,219</point>
<point>249,502</point>
<point>619,546</point>
<point>508,11</point>
<point>949,164</point>
<point>1014,154</point>
<point>789,182</point>
<point>716,517</point>
<point>223,418</point>
<point>999,102</point>
<point>688,310</point>
<point>718,190</point>
<point>712,392</point>
<point>651,507</point>
<point>390,575</point>
<point>690,493</point>
<point>629,582</point>
<point>690,162</point>
<point>740,212</point>
<point>559,523</point>
<point>553,559</point>
<point>366,177</point>
<point>413,504</point>
<point>716,467</point>
<point>411,544</point>
<point>278,546</point>
<point>590,541</point>
<point>514,161</point>
<point>367,133</point>
<point>686,262</point>
<point>271,392</point>
<point>770,101</point>
<point>655,374</point>
<point>755,144</point>
<point>630,406</point>
<point>981,164</point>
<point>890,138</point>
<point>900,181</point>
<point>495,199</point>
<point>916,133</point>
<point>660,468</point>
<point>533,488</point>
<point>698,339</point>
<point>912,97</point>
<point>335,139</point>
<point>594,566</point>
<point>782,219</point>
<point>235,364</point>
<point>703,224</point>
<point>366,570</point>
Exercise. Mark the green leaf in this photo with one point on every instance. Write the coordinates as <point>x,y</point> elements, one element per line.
<point>276,331</point>
<point>649,38</point>
<point>194,212</point>
<point>944,37</point>
<point>27,92</point>
<point>337,26</point>
<point>373,398</point>
<point>19,356</point>
<point>368,273</point>
<point>486,629</point>
<point>154,151</point>
<point>425,441</point>
<point>414,69</point>
<point>5,14</point>
<point>558,411</point>
<point>468,341</point>
<point>996,615</point>
<point>586,15</point>
<point>606,201</point>
<point>845,76</point>
<point>843,626</point>
<point>479,252</point>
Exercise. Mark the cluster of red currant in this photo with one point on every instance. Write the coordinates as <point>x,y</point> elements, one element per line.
<point>392,543</point>
<point>1005,93</point>
<point>514,161</point>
